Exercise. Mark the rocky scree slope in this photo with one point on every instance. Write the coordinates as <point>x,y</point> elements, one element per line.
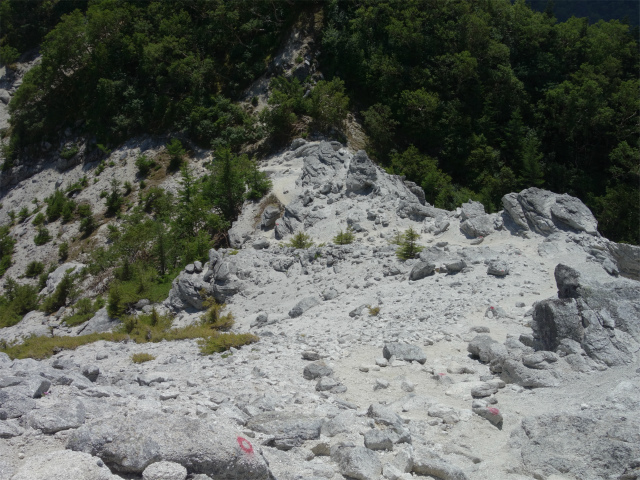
<point>466,371</point>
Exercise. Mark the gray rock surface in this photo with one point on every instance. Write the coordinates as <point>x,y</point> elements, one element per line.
<point>63,465</point>
<point>403,351</point>
<point>357,462</point>
<point>164,471</point>
<point>61,416</point>
<point>199,445</point>
<point>288,430</point>
<point>303,305</point>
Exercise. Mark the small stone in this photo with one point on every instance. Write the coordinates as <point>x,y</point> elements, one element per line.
<point>408,386</point>
<point>381,384</point>
<point>382,362</point>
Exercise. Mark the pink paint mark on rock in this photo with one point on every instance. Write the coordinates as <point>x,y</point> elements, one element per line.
<point>493,411</point>
<point>442,374</point>
<point>245,445</point>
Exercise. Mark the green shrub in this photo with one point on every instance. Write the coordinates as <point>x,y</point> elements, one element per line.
<point>87,225</point>
<point>23,214</point>
<point>17,301</point>
<point>58,205</point>
<point>214,318</point>
<point>128,188</point>
<point>144,165</point>
<point>77,186</point>
<point>63,251</point>
<point>83,310</point>
<point>38,219</point>
<point>408,248</point>
<point>42,236</point>
<point>69,152</point>
<point>84,210</point>
<point>344,238</point>
<point>142,357</point>
<point>101,166</point>
<point>12,216</point>
<point>114,199</point>
<point>328,104</point>
<point>64,292</point>
<point>176,153</point>
<point>300,240</point>
<point>34,269</point>
<point>7,245</point>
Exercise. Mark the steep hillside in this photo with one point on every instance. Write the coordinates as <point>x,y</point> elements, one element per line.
<point>506,349</point>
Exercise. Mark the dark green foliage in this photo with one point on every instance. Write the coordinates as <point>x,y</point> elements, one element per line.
<point>23,214</point>
<point>497,97</point>
<point>38,219</point>
<point>176,153</point>
<point>150,66</point>
<point>83,310</point>
<point>42,236</point>
<point>64,292</point>
<point>594,10</point>
<point>114,199</point>
<point>34,269</point>
<point>6,248</point>
<point>408,246</point>
<point>69,152</point>
<point>327,105</point>
<point>17,301</point>
<point>77,186</point>
<point>144,165</point>
<point>63,251</point>
<point>58,205</point>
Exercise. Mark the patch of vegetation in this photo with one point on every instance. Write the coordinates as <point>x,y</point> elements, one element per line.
<point>300,240</point>
<point>7,245</point>
<point>327,106</point>
<point>42,236</point>
<point>17,301</point>
<point>345,238</point>
<point>144,165</point>
<point>83,310</point>
<point>34,269</point>
<point>142,357</point>
<point>176,154</point>
<point>63,251</point>
<point>77,186</point>
<point>408,246</point>
<point>114,199</point>
<point>59,205</point>
<point>214,317</point>
<point>69,152</point>
<point>373,311</point>
<point>220,342</point>
<point>38,219</point>
<point>23,214</point>
<point>64,292</point>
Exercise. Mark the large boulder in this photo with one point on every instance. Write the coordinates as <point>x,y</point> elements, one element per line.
<point>63,465</point>
<point>100,322</point>
<point>131,444</point>
<point>186,291</point>
<point>427,462</point>
<point>362,174</point>
<point>57,275</point>
<point>603,319</point>
<point>269,217</point>
<point>546,212</point>
<point>421,270</point>
<point>590,445</point>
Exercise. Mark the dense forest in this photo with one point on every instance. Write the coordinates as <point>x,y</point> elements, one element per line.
<point>594,10</point>
<point>470,99</point>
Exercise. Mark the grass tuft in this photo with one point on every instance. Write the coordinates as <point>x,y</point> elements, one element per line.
<point>142,357</point>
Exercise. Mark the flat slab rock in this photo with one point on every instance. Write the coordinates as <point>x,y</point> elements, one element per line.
<point>64,465</point>
<point>404,351</point>
<point>131,444</point>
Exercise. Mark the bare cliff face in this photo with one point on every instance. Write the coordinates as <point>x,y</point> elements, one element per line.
<point>507,349</point>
